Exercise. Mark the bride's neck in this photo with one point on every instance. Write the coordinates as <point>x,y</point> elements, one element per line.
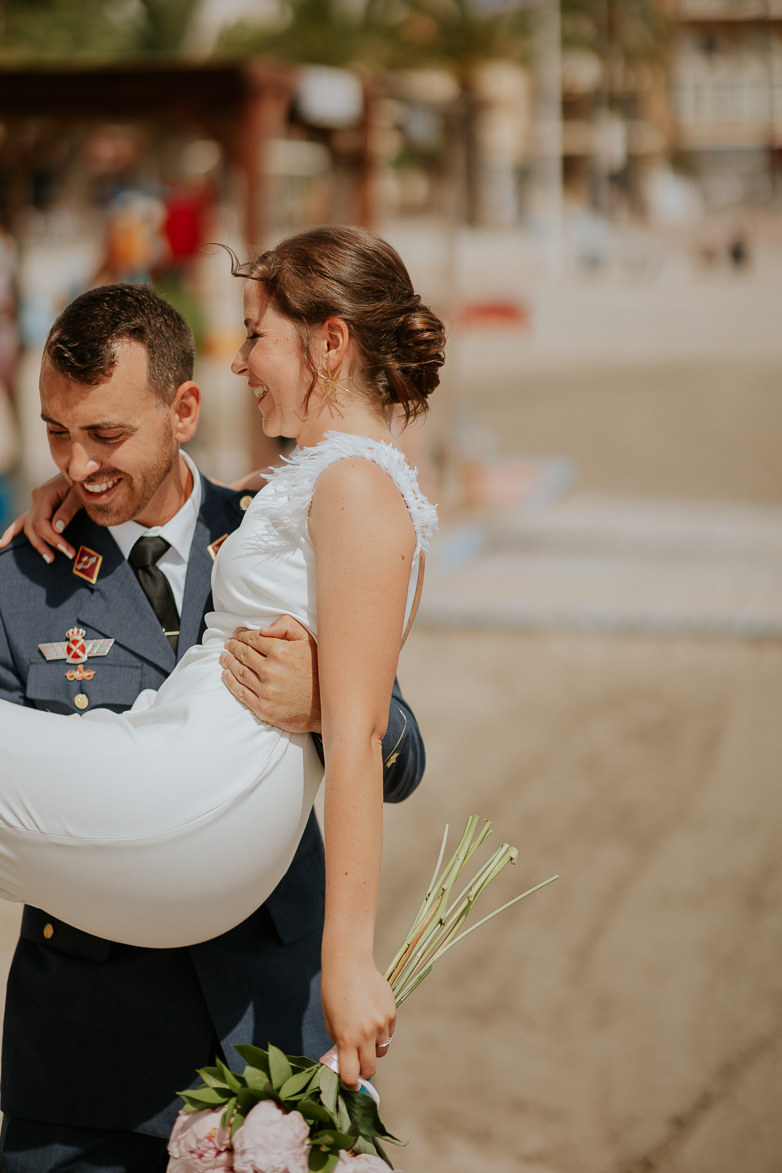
<point>352,415</point>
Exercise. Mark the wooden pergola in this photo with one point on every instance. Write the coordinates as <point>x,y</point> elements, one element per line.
<point>238,104</point>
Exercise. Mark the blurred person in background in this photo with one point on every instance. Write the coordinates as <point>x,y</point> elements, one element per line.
<point>98,1036</point>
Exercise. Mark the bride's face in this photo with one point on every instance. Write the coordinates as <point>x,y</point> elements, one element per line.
<point>273,361</point>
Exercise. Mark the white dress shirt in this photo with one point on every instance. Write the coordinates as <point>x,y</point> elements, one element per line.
<point>178,532</point>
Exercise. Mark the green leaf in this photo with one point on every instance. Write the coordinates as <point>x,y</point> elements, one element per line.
<point>374,1148</point>
<point>300,1082</point>
<point>363,1111</point>
<point>279,1068</point>
<point>207,1071</point>
<point>211,1077</point>
<point>206,1097</point>
<point>312,1110</point>
<point>329,1089</point>
<point>271,1093</point>
<point>228,1076</point>
<point>257,1080</point>
<point>255,1056</point>
<point>381,1152</point>
<point>364,1144</point>
<point>248,1097</point>
<point>332,1138</point>
<point>343,1115</point>
<point>322,1162</point>
<point>300,1062</point>
<point>230,1108</point>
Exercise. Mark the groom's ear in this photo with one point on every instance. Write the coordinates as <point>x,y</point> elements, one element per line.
<point>185,410</point>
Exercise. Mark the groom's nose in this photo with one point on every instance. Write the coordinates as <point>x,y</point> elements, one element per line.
<point>81,463</point>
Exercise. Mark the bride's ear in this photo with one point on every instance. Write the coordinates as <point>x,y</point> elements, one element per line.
<point>334,342</point>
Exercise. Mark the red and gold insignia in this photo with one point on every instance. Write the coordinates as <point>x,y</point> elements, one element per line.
<point>87,564</point>
<point>76,647</point>
<point>76,650</point>
<point>215,546</point>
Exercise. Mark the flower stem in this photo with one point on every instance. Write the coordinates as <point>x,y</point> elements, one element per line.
<point>436,927</point>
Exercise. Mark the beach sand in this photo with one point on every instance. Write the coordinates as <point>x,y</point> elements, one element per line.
<point>627,1018</point>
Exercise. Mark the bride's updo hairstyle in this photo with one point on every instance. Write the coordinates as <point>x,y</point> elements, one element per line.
<point>349,273</point>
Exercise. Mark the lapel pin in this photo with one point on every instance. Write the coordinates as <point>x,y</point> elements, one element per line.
<point>215,546</point>
<point>87,564</point>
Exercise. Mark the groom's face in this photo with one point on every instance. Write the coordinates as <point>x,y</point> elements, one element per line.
<point>116,442</point>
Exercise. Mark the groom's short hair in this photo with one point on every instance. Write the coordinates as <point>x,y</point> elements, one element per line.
<point>82,344</point>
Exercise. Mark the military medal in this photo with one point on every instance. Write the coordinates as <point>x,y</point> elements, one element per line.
<point>87,564</point>
<point>215,546</point>
<point>77,650</point>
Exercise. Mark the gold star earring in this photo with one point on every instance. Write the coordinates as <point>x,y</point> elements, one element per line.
<point>330,382</point>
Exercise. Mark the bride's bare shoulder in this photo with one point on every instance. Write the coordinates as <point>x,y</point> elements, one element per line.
<point>356,489</point>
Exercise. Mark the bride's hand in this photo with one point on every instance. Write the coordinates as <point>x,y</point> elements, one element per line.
<point>360,1015</point>
<point>54,505</point>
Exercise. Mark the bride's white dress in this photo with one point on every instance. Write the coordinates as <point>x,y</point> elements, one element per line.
<point>171,823</point>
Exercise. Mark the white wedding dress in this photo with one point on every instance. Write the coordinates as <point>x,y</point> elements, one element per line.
<point>170,823</point>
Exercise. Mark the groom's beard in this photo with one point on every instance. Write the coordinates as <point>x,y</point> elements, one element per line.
<point>132,493</point>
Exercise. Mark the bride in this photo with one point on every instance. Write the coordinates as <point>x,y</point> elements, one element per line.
<point>189,809</point>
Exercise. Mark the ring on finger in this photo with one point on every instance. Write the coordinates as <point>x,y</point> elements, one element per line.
<point>381,1046</point>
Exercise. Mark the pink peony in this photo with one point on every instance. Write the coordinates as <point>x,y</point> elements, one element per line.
<point>198,1143</point>
<point>272,1141</point>
<point>361,1163</point>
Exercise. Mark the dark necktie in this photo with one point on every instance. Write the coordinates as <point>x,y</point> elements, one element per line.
<point>143,558</point>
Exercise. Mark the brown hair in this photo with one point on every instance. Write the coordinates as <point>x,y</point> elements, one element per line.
<point>82,343</point>
<point>349,273</point>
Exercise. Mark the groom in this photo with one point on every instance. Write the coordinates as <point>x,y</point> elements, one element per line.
<point>98,1036</point>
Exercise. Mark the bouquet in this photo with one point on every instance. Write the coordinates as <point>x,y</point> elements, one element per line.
<point>288,1114</point>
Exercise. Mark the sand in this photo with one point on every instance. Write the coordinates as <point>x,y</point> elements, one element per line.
<point>627,1017</point>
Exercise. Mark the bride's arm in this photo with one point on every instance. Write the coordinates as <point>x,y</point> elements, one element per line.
<point>364,544</point>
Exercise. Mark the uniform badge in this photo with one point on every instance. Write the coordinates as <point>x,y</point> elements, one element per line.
<point>77,650</point>
<point>87,564</point>
<point>215,546</point>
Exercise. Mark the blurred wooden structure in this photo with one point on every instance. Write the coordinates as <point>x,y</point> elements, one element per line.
<point>240,105</point>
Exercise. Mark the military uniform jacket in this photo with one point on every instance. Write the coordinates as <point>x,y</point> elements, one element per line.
<point>102,1034</point>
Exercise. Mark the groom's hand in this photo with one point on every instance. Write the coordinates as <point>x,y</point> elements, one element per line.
<point>274,673</point>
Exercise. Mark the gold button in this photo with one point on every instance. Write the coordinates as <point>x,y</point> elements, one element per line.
<point>245,502</point>
<point>81,701</point>
<point>48,931</point>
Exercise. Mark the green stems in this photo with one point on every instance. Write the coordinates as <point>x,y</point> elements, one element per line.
<point>437,925</point>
